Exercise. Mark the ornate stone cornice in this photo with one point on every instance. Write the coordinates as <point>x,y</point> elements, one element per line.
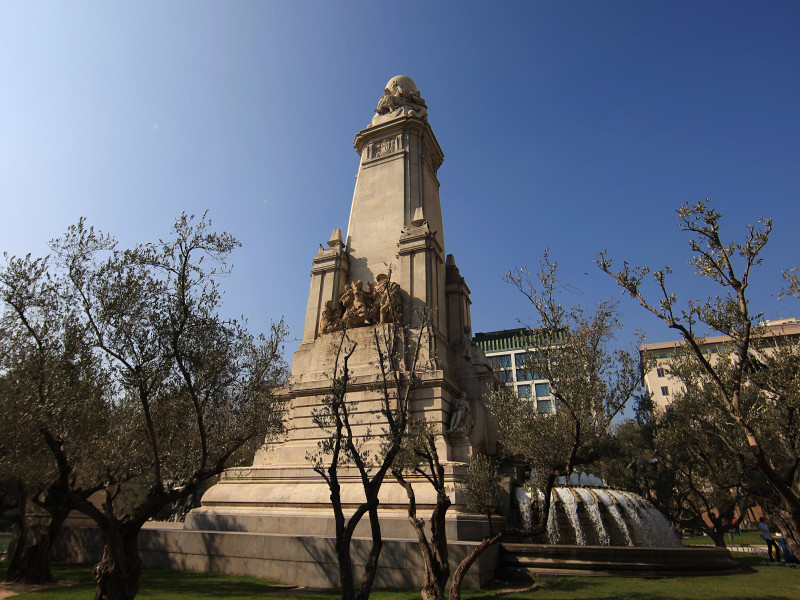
<point>381,137</point>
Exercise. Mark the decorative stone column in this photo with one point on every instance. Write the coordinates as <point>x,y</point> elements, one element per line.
<point>328,276</point>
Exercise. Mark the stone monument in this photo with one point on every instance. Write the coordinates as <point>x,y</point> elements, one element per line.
<point>388,271</point>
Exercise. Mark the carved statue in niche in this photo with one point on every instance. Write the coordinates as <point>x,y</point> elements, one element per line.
<point>360,306</point>
<point>461,420</point>
<point>400,98</point>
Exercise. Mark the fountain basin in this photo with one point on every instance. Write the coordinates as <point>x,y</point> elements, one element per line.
<point>523,561</point>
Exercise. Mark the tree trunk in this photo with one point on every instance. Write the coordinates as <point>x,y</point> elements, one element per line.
<point>371,568</point>
<point>117,574</point>
<point>346,579</point>
<point>718,537</point>
<point>34,567</point>
<point>463,568</point>
<point>434,553</point>
<point>790,527</point>
<point>19,541</point>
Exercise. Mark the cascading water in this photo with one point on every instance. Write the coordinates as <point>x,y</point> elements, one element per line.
<point>629,505</point>
<point>612,509</point>
<point>553,530</point>
<point>659,525</point>
<point>570,505</point>
<point>524,504</point>
<point>601,516</point>
<point>524,501</point>
<point>590,503</point>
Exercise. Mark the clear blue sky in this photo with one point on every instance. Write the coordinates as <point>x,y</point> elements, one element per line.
<point>576,125</point>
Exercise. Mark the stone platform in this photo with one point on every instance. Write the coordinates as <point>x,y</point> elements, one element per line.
<point>308,561</point>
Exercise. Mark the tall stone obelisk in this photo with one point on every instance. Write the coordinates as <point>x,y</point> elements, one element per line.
<point>391,262</point>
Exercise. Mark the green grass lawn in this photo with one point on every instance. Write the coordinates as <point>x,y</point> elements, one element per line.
<point>761,581</point>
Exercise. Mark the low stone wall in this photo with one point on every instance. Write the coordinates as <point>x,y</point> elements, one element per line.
<point>293,560</point>
<point>534,559</point>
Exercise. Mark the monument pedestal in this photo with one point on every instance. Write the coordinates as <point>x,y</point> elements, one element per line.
<point>387,280</point>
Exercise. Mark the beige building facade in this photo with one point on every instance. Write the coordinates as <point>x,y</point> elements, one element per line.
<point>664,387</point>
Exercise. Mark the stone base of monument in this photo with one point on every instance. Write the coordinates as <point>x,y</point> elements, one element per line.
<point>293,500</point>
<point>308,561</point>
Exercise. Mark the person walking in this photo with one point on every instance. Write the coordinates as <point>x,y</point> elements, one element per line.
<point>765,533</point>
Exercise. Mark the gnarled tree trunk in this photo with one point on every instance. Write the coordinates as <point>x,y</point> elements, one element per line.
<point>19,542</point>
<point>117,574</point>
<point>434,552</point>
<point>463,568</point>
<point>33,566</point>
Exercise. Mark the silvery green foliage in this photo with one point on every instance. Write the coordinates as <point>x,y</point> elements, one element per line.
<point>481,485</point>
<point>127,378</point>
<point>197,385</point>
<point>590,379</point>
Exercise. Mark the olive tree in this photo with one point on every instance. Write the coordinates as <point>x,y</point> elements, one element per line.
<point>699,483</point>
<point>762,427</point>
<point>186,388</point>
<point>52,394</point>
<point>590,380</point>
<point>419,457</point>
<point>480,486</point>
<point>370,453</point>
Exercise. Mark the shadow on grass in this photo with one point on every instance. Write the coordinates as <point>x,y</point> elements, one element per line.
<point>189,584</point>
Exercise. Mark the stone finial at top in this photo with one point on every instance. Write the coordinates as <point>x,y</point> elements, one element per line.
<point>400,99</point>
<point>336,239</point>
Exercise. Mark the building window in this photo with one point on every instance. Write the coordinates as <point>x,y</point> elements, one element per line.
<point>506,376</point>
<point>542,390</point>
<point>664,390</point>
<point>500,361</point>
<point>660,371</point>
<point>524,391</point>
<point>520,358</point>
<point>523,375</point>
<point>545,406</point>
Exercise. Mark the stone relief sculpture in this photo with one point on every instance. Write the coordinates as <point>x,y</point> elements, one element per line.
<point>360,306</point>
<point>331,317</point>
<point>387,304</point>
<point>461,420</point>
<point>356,309</point>
<point>400,98</point>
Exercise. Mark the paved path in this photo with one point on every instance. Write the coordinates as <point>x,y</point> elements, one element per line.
<point>7,590</point>
<point>758,550</point>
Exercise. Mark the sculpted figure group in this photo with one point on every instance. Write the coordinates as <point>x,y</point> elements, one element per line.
<point>400,98</point>
<point>359,306</point>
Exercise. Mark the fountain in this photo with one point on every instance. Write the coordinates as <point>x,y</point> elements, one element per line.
<point>596,516</point>
<point>596,530</point>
